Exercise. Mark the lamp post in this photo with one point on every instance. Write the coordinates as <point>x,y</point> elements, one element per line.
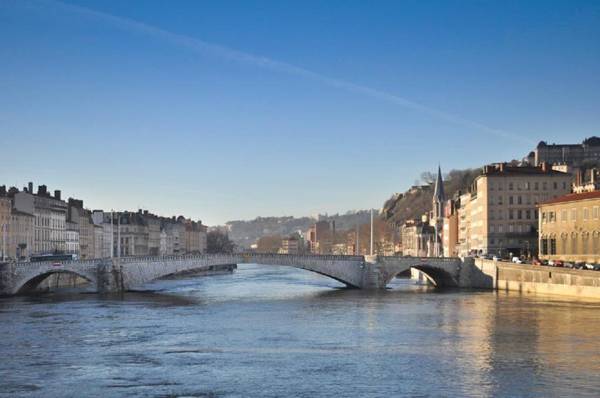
<point>371,246</point>
<point>4,228</point>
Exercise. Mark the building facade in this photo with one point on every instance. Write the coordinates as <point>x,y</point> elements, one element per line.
<point>450,229</point>
<point>572,154</point>
<point>570,228</point>
<point>500,212</point>
<point>418,238</point>
<point>5,218</point>
<point>50,214</point>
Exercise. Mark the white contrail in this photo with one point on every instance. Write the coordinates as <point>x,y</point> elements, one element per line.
<point>267,63</point>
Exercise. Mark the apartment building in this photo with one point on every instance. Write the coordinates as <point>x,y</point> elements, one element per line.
<point>572,154</point>
<point>418,238</point>
<point>500,214</point>
<point>5,216</point>
<point>50,220</point>
<point>569,228</point>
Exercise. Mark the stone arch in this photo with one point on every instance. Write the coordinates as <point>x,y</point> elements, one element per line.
<point>30,282</point>
<point>438,276</point>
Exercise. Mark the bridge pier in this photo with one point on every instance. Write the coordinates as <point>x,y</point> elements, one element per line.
<point>109,278</point>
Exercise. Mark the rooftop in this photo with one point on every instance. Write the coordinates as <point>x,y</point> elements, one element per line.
<point>573,197</point>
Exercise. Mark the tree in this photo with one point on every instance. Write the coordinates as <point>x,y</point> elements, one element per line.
<point>218,242</point>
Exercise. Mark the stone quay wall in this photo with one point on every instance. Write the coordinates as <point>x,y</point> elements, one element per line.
<point>539,279</point>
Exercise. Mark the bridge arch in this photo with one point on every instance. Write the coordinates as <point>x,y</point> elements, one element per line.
<point>30,284</point>
<point>440,272</point>
<point>345,269</point>
<point>27,276</point>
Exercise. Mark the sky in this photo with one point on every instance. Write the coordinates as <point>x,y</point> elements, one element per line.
<point>229,110</point>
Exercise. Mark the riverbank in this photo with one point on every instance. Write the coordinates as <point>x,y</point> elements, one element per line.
<point>507,276</point>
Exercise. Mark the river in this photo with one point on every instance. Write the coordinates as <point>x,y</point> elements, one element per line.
<point>276,331</point>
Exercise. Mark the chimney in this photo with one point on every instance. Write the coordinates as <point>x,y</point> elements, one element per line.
<point>30,187</point>
<point>502,166</point>
<point>139,211</point>
<point>57,194</point>
<point>145,212</point>
<point>544,167</point>
<point>578,179</point>
<point>42,190</point>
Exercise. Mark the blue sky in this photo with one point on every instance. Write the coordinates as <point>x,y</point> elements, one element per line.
<point>233,109</point>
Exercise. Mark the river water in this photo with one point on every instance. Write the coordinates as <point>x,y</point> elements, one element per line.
<point>276,331</point>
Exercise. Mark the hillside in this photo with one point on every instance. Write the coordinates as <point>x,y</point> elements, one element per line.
<point>244,233</point>
<point>417,200</point>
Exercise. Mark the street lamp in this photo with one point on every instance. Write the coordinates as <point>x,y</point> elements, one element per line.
<point>4,228</point>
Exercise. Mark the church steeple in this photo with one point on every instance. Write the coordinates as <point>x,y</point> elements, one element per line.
<point>439,201</point>
<point>438,193</point>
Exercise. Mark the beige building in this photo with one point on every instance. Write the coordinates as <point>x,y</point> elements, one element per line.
<point>21,235</point>
<point>464,224</point>
<point>195,237</point>
<point>570,228</point>
<point>50,218</point>
<point>72,238</point>
<point>5,218</point>
<point>500,212</point>
<point>82,221</point>
<point>450,229</point>
<point>290,245</point>
<point>417,238</point>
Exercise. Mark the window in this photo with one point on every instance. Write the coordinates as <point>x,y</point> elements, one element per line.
<point>563,216</point>
<point>510,186</point>
<point>544,185</point>
<point>527,186</point>
<point>544,246</point>
<point>595,212</point>
<point>536,186</point>
<point>552,246</point>
<point>573,214</point>
<point>544,217</point>
<point>519,214</point>
<point>510,200</point>
<point>528,214</point>
<point>519,200</point>
<point>500,230</point>
<point>586,213</point>
<point>500,200</point>
<point>510,214</point>
<point>555,185</point>
<point>564,185</point>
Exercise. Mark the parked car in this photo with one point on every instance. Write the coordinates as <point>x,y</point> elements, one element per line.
<point>559,263</point>
<point>536,261</point>
<point>588,266</point>
<point>517,260</point>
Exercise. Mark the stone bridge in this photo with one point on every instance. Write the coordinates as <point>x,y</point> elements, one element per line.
<point>113,275</point>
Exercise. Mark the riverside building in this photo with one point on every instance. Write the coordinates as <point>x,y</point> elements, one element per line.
<point>570,228</point>
<point>500,212</point>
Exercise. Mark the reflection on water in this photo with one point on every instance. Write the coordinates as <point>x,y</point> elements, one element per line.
<point>276,331</point>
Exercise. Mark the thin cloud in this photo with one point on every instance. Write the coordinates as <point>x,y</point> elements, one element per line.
<point>241,57</point>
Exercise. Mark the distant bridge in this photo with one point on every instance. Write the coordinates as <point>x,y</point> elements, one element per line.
<point>114,275</point>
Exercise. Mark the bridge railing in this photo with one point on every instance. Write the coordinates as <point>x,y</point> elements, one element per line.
<point>424,259</point>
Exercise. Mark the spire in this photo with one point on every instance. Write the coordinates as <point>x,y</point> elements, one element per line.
<point>438,193</point>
